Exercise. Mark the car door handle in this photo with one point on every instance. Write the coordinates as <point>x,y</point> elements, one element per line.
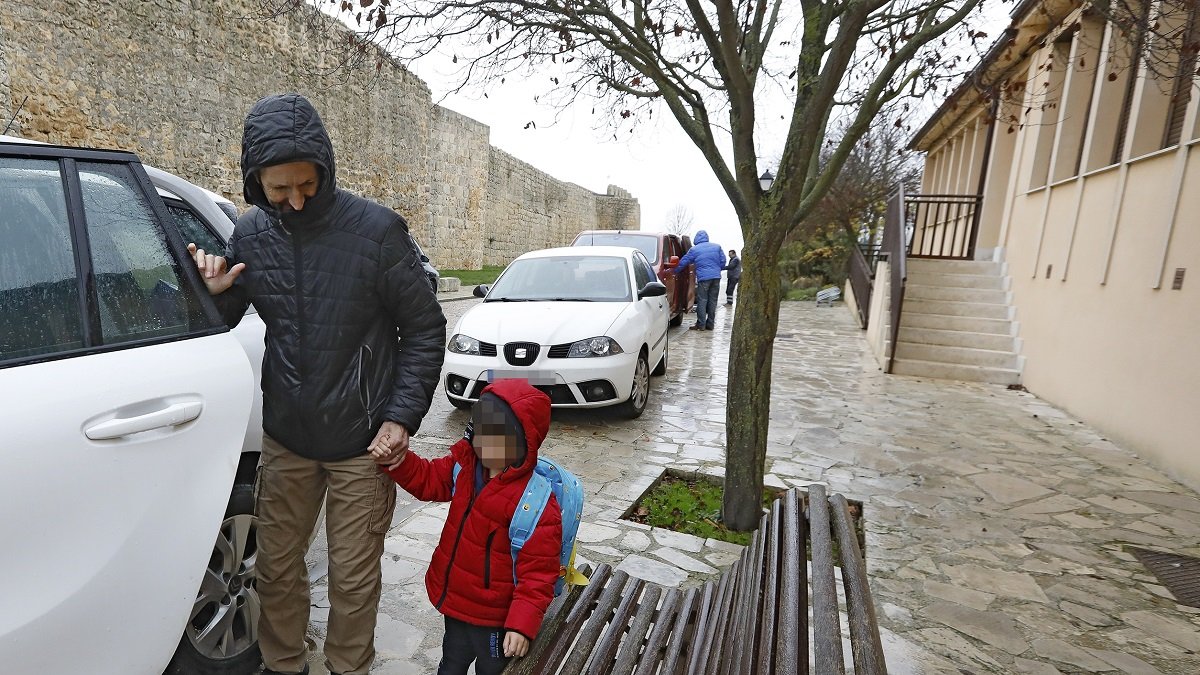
<point>169,416</point>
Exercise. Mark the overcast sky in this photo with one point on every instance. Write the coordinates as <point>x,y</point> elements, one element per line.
<point>656,162</point>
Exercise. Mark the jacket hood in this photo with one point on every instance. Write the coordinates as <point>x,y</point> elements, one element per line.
<point>531,409</point>
<point>286,128</point>
<point>701,237</point>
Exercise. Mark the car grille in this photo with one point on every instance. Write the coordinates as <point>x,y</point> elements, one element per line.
<point>559,351</point>
<point>487,349</point>
<point>531,353</point>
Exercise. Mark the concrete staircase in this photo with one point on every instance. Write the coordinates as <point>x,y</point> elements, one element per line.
<point>957,323</point>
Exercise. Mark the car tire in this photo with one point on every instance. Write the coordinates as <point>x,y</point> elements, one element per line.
<point>640,393</point>
<point>238,652</point>
<point>677,320</point>
<point>661,368</point>
<point>461,405</point>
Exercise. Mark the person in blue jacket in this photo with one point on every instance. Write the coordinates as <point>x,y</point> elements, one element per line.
<point>709,259</point>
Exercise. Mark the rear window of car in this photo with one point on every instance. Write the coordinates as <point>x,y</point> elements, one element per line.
<point>647,244</point>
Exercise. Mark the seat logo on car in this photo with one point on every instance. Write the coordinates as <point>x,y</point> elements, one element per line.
<point>521,353</point>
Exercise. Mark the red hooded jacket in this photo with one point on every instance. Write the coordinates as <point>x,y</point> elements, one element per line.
<point>470,577</point>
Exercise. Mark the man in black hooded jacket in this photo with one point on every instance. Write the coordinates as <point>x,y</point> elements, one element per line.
<point>354,350</point>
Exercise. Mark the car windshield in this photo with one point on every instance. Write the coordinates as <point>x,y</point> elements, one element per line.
<point>646,243</point>
<point>564,278</point>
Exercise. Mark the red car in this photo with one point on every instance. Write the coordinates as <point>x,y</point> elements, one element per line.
<point>663,250</point>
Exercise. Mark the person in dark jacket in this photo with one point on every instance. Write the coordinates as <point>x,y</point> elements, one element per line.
<point>493,607</point>
<point>709,258</point>
<point>733,274</point>
<point>354,349</point>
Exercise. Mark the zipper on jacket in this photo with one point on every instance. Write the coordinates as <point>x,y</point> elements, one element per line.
<point>487,560</point>
<point>296,263</point>
<point>364,387</point>
<point>454,549</point>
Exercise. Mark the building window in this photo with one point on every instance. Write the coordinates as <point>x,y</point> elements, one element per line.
<point>1115,78</point>
<point>1045,102</point>
<point>1078,97</point>
<point>1185,77</point>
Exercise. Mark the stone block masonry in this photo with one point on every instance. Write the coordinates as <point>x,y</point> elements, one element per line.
<point>172,80</point>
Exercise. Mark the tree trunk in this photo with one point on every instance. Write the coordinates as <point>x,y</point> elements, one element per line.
<point>748,397</point>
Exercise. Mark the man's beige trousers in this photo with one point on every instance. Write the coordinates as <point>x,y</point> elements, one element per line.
<point>359,501</point>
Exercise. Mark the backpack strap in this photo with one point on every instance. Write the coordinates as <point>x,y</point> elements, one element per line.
<point>527,514</point>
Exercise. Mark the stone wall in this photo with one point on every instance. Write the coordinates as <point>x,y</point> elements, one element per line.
<point>173,79</point>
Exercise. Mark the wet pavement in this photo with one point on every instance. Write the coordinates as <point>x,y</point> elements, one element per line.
<point>996,525</point>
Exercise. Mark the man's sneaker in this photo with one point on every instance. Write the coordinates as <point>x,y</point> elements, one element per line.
<point>695,327</point>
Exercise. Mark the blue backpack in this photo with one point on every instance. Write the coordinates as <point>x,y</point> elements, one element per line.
<point>547,478</point>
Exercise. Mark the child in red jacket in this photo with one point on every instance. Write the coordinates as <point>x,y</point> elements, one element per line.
<point>493,605</point>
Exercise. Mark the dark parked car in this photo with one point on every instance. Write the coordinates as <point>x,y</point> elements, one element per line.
<point>663,250</point>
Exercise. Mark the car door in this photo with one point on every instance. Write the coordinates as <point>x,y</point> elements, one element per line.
<point>125,402</point>
<point>250,332</point>
<point>653,312</point>
<point>666,274</point>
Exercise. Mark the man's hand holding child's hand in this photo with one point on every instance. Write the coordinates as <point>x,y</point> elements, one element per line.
<point>515,644</point>
<point>390,445</point>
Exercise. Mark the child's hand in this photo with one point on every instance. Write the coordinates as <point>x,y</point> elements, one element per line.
<point>515,644</point>
<point>390,445</point>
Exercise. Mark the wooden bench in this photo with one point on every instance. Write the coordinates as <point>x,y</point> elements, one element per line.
<point>828,296</point>
<point>753,619</point>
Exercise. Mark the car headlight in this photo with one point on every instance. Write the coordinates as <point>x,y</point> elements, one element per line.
<point>597,346</point>
<point>463,344</point>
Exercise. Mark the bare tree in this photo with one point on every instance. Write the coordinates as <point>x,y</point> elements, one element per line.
<point>679,220</point>
<point>715,66</point>
<point>875,166</point>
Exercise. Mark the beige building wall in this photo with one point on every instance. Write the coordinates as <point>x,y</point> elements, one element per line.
<point>1093,224</point>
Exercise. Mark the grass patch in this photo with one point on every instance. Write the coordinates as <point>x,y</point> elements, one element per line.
<point>801,294</point>
<point>487,275</point>
<point>691,505</point>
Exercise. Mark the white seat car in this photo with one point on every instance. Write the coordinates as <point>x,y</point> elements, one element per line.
<point>130,423</point>
<point>585,325</point>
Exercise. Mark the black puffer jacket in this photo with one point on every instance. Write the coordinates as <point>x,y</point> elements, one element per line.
<point>336,284</point>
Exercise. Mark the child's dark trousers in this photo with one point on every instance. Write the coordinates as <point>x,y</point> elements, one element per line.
<point>465,643</point>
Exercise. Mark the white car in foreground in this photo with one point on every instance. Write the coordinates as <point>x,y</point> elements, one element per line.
<point>585,325</point>
<point>130,425</point>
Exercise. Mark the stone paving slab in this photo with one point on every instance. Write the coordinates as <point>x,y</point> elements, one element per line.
<point>995,523</point>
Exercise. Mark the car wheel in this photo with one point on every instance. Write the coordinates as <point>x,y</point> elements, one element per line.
<point>221,636</point>
<point>661,368</point>
<point>461,405</point>
<point>640,393</point>
<point>677,320</point>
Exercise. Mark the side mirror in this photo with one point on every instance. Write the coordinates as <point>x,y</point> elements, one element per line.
<point>424,258</point>
<point>674,260</point>
<point>481,290</point>
<point>652,290</point>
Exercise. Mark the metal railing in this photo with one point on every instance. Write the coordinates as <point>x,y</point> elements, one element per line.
<point>862,280</point>
<point>915,226</point>
<point>895,247</point>
<point>943,226</point>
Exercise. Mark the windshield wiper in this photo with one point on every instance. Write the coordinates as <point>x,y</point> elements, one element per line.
<point>570,300</point>
<point>508,300</point>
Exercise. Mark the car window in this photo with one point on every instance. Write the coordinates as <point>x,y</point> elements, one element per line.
<point>586,278</point>
<point>40,310</point>
<point>642,270</point>
<point>646,243</point>
<point>193,229</point>
<point>138,284</point>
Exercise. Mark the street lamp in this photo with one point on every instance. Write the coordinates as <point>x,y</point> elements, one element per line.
<point>765,180</point>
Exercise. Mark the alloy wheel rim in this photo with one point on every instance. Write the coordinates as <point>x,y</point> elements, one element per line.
<point>224,618</point>
<point>641,383</point>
